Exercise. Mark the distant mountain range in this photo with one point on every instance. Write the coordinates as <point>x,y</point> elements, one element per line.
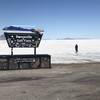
<point>72,38</point>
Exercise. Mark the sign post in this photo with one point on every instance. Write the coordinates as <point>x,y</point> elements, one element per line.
<point>23,39</point>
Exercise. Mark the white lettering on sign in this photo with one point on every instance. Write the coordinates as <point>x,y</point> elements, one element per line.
<point>19,36</point>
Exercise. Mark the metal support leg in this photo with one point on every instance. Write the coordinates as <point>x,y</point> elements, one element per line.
<point>34,50</point>
<point>12,51</point>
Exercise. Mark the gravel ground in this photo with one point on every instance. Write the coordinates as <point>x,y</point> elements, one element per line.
<point>61,82</point>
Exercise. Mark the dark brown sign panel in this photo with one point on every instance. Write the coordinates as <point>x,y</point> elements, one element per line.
<point>22,40</point>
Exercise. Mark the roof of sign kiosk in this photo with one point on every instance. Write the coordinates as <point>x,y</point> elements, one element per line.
<point>22,37</point>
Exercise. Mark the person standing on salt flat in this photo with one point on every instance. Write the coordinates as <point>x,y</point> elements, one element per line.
<point>76,48</point>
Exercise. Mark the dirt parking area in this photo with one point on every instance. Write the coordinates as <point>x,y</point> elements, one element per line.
<point>61,82</point>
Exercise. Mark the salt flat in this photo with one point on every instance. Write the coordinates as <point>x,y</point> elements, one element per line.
<point>62,51</point>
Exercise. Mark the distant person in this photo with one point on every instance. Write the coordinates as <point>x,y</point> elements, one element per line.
<point>76,48</point>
